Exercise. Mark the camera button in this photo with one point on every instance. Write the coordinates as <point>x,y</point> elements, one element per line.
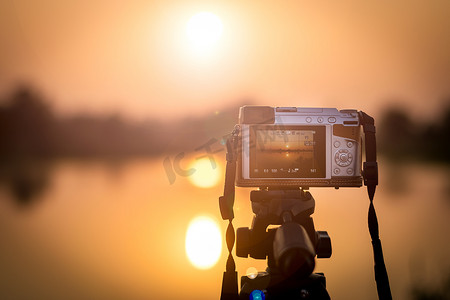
<point>308,119</point>
<point>349,144</point>
<point>336,171</point>
<point>343,157</point>
<point>332,119</point>
<point>320,119</point>
<point>337,144</point>
<point>350,171</point>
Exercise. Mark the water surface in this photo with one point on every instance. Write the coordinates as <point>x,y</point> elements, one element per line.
<point>104,230</point>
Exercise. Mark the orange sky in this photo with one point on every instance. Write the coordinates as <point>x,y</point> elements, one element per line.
<point>104,56</point>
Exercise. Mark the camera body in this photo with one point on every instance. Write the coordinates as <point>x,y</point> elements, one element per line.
<point>298,147</point>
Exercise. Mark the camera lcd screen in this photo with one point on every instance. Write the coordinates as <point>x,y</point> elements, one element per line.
<point>287,151</point>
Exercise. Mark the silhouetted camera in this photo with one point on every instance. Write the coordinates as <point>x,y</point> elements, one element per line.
<point>298,147</point>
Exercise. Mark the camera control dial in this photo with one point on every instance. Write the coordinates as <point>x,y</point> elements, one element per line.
<point>343,157</point>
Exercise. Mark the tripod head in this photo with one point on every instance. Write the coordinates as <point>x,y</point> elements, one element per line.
<point>290,248</point>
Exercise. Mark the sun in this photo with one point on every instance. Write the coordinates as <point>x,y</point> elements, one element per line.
<point>203,30</point>
<point>205,176</point>
<point>203,242</point>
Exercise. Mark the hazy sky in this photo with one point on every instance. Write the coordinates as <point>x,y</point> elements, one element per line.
<point>134,56</point>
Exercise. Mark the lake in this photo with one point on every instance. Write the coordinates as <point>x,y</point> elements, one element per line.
<point>116,230</point>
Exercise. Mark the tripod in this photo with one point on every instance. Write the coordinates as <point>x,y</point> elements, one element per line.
<point>290,249</point>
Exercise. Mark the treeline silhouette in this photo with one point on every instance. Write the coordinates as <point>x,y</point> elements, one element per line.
<point>401,138</point>
<point>29,128</point>
<point>32,136</point>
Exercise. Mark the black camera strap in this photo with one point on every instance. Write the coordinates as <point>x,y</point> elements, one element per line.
<point>226,203</point>
<point>370,175</point>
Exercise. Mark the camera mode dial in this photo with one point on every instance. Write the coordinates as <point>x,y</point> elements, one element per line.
<point>343,157</point>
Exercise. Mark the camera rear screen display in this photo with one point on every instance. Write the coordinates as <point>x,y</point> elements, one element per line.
<point>287,151</point>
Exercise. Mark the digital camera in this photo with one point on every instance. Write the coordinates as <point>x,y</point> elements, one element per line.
<point>298,147</point>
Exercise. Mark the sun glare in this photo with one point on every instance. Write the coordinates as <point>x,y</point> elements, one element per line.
<point>204,30</point>
<point>203,242</point>
<point>204,175</point>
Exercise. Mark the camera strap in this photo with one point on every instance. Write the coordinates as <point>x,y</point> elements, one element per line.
<point>370,175</point>
<point>226,203</point>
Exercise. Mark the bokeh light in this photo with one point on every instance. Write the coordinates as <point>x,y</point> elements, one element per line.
<point>251,273</point>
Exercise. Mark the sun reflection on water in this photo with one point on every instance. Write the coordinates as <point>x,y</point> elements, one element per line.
<point>206,175</point>
<point>203,242</point>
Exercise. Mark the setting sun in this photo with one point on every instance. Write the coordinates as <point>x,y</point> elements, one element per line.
<point>203,242</point>
<point>204,30</point>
